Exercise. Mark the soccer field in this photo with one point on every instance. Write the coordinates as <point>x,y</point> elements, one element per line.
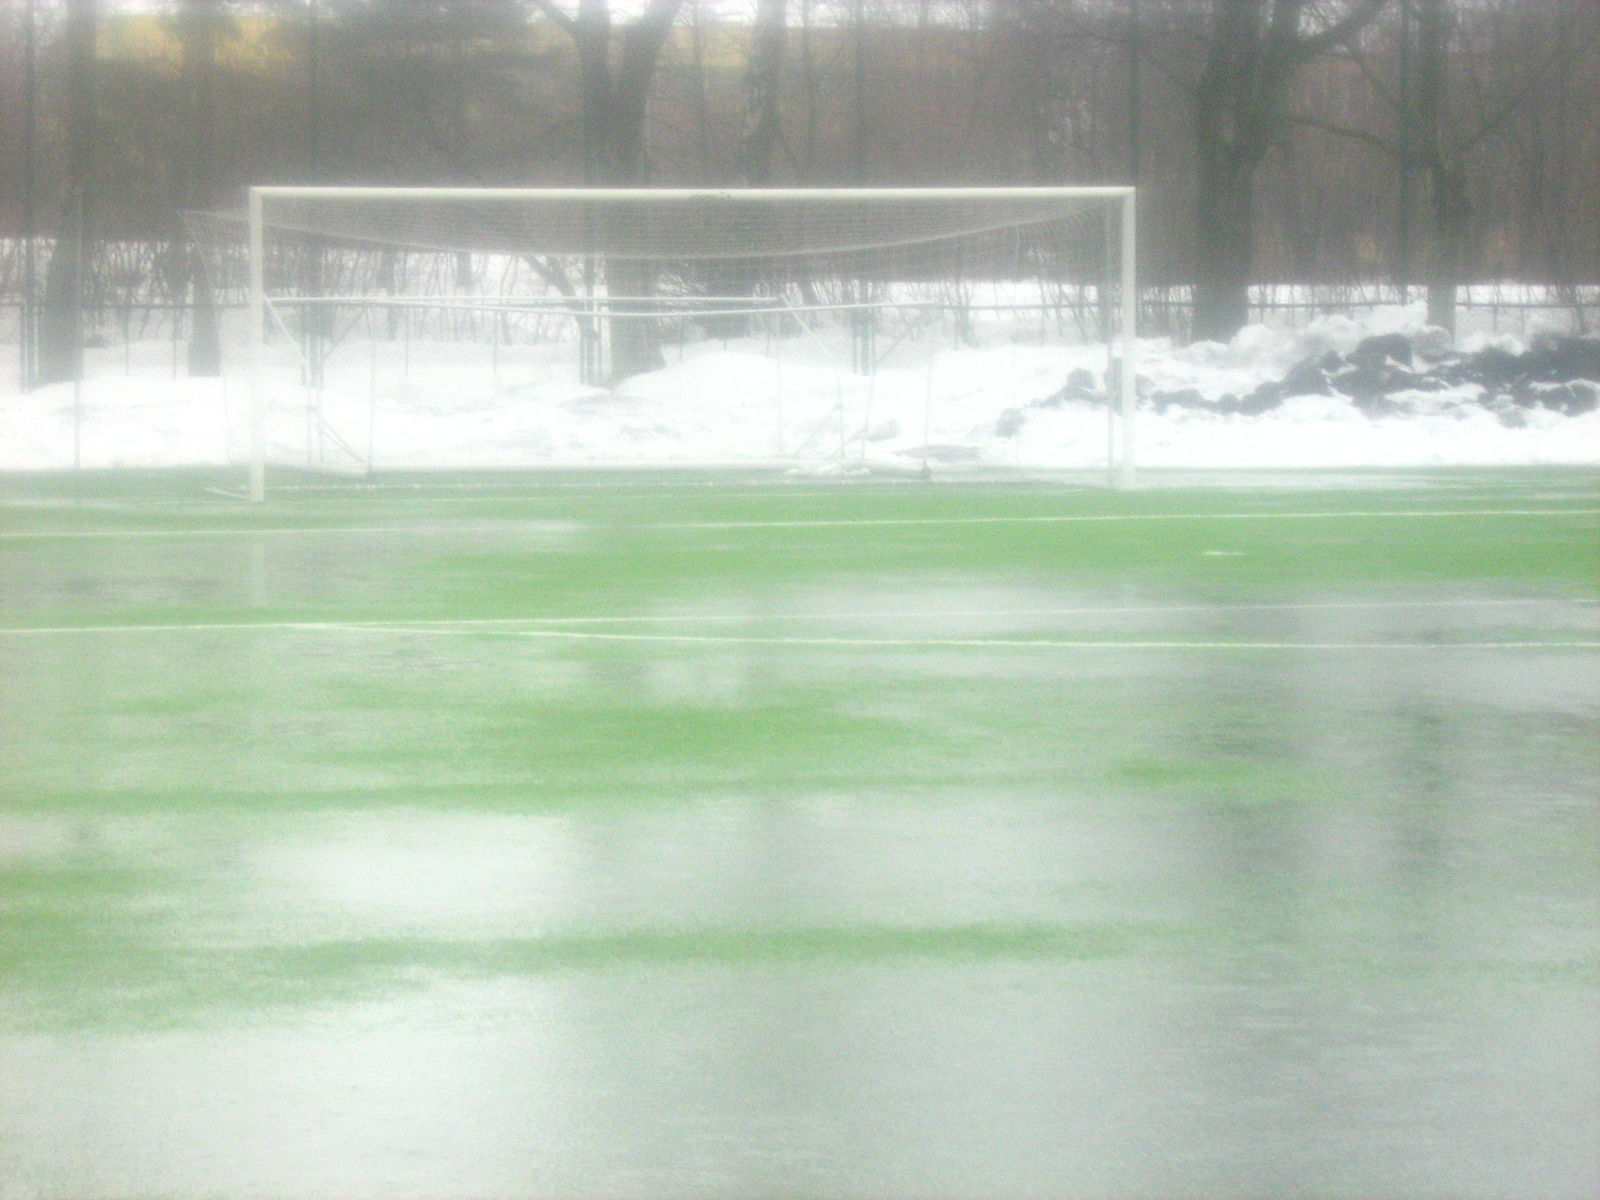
<point>711,836</point>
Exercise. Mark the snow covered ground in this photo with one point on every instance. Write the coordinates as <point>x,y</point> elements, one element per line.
<point>1001,403</point>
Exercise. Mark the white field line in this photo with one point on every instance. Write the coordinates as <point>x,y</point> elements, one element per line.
<point>984,643</point>
<point>222,532</point>
<point>518,626</point>
<point>502,491</point>
<point>1398,514</point>
<point>545,524</point>
<point>574,635</point>
<point>1113,610</point>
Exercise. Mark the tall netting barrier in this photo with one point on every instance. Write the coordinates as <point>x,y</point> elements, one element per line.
<point>829,331</point>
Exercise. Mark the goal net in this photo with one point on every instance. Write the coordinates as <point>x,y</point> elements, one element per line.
<point>831,330</point>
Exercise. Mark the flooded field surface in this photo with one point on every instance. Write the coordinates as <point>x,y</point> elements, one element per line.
<point>640,838</point>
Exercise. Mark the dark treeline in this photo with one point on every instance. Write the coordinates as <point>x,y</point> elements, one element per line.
<point>1407,142</point>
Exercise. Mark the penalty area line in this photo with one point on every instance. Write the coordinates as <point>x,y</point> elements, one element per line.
<point>712,639</point>
<point>1098,610</point>
<point>489,629</point>
<point>543,526</point>
<point>521,625</point>
<point>1113,518</point>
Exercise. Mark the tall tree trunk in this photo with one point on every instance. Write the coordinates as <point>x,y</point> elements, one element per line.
<point>201,21</point>
<point>1225,230</point>
<point>1254,49</point>
<point>1239,95</point>
<point>762,78</point>
<point>1449,210</point>
<point>61,332</point>
<point>613,99</point>
<point>736,277</point>
<point>1452,216</point>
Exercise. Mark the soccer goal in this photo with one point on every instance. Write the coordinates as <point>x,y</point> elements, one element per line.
<point>841,330</point>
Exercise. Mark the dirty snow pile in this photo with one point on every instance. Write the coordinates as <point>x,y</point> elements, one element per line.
<point>1381,390</point>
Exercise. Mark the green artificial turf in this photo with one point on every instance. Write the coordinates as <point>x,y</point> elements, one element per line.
<point>604,649</point>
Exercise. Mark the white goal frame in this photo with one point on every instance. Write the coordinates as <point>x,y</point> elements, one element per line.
<point>1124,345</point>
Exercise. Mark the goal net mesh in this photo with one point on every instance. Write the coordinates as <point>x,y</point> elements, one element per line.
<point>920,331</point>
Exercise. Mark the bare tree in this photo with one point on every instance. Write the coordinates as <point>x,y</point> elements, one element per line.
<point>1254,49</point>
<point>1447,176</point>
<point>201,25</point>
<point>762,94</point>
<point>1438,132</point>
<point>613,93</point>
<point>1448,137</point>
<point>497,91</point>
<point>433,87</point>
<point>61,330</point>
<point>758,142</point>
<point>1045,53</point>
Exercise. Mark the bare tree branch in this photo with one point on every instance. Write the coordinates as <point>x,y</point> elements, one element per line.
<point>1367,138</point>
<point>564,19</point>
<point>1369,73</point>
<point>1507,107</point>
<point>1312,44</point>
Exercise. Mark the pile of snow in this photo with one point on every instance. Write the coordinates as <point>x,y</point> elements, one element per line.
<point>1007,403</point>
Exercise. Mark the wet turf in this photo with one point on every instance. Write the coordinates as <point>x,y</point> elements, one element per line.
<point>875,786</point>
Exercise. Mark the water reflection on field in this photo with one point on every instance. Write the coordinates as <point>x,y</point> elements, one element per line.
<point>428,916</point>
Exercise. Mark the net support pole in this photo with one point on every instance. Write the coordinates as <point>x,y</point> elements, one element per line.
<point>1130,318</point>
<point>257,317</point>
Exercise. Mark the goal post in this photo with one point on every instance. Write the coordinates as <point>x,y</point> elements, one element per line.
<point>256,314</point>
<point>605,271</point>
